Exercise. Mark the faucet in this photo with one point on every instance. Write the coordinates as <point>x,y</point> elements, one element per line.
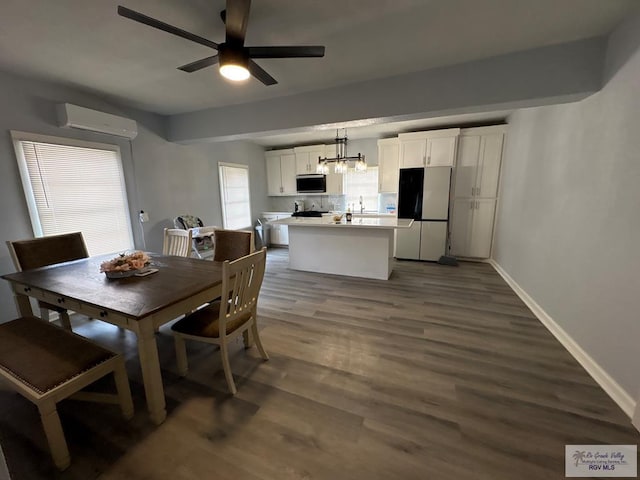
<point>361,205</point>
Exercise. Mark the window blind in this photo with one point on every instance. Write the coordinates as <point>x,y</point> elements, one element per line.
<point>71,188</point>
<point>234,191</point>
<point>362,184</point>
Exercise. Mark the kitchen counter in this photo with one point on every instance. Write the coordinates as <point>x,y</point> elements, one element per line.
<point>360,248</point>
<point>357,222</point>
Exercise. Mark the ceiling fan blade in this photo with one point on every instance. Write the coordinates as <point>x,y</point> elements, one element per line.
<point>236,20</point>
<point>152,22</point>
<point>199,64</point>
<point>257,71</point>
<point>286,51</point>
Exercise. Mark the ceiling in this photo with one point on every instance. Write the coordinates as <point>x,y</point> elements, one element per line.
<point>85,44</point>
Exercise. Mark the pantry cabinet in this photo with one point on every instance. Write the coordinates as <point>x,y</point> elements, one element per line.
<point>434,148</point>
<point>476,177</point>
<point>478,165</point>
<point>281,172</point>
<point>472,227</point>
<point>388,165</point>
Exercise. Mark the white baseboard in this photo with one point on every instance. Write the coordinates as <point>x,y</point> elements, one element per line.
<point>608,384</point>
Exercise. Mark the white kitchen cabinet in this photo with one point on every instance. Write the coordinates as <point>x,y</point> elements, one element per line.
<point>435,148</point>
<point>472,227</point>
<point>335,183</point>
<point>388,165</point>
<point>476,176</point>
<point>281,172</point>
<point>278,234</point>
<point>478,164</point>
<point>307,158</point>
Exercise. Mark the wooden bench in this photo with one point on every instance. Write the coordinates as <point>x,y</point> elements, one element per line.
<point>46,364</point>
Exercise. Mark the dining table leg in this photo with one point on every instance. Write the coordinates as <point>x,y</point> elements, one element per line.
<point>23,304</point>
<point>151,375</point>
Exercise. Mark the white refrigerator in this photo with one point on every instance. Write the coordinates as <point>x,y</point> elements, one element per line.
<point>423,195</point>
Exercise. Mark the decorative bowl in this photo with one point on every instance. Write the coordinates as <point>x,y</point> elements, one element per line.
<point>337,218</point>
<point>121,274</point>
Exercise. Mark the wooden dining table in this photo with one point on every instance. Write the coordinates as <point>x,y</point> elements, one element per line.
<point>140,304</point>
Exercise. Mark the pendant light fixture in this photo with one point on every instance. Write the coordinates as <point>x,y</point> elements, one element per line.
<point>342,158</point>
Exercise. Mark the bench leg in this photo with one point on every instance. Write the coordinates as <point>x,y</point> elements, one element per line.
<point>55,435</point>
<point>124,392</point>
<point>181,356</point>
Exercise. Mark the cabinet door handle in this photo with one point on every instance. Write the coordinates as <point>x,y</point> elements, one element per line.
<point>473,191</point>
<point>471,205</point>
<point>429,160</point>
<point>478,191</point>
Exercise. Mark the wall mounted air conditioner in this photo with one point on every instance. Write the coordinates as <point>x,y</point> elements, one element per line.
<point>86,119</point>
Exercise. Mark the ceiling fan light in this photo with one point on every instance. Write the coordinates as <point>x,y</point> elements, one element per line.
<point>233,63</point>
<point>236,73</point>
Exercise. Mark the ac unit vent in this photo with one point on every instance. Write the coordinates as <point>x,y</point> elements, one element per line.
<point>74,116</point>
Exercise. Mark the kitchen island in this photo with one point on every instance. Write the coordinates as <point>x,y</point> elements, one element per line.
<point>360,248</point>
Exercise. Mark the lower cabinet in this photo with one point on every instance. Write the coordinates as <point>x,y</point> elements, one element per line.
<point>423,241</point>
<point>472,227</point>
<point>278,234</point>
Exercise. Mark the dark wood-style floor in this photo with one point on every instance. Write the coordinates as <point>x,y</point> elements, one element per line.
<point>439,373</point>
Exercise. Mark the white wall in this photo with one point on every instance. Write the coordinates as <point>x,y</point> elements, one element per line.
<point>568,228</point>
<point>163,178</point>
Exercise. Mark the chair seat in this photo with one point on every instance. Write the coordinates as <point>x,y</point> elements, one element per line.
<point>31,349</point>
<point>205,322</point>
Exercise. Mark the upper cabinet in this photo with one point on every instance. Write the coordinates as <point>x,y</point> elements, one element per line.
<point>478,165</point>
<point>307,158</point>
<point>281,172</point>
<point>388,164</point>
<point>435,148</point>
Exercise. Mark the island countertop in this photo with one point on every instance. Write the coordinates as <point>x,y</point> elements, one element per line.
<point>361,222</point>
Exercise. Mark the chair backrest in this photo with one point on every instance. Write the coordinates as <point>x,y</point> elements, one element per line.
<point>177,242</point>
<point>231,244</point>
<point>186,222</point>
<point>241,282</point>
<point>43,251</point>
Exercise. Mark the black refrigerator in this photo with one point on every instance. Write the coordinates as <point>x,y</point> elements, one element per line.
<point>423,195</point>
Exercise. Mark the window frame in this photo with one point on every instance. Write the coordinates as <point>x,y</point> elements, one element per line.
<point>221,165</point>
<point>352,171</point>
<point>17,137</point>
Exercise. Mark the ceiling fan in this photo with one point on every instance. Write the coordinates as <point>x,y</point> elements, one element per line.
<point>235,59</point>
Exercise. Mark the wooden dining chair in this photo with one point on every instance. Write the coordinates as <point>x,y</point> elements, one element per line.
<point>224,320</point>
<point>44,251</point>
<point>232,244</point>
<point>177,242</point>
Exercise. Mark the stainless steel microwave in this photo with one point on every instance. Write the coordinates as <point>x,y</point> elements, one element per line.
<point>311,183</point>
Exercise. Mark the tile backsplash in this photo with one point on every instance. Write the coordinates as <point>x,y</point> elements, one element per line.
<point>386,203</point>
